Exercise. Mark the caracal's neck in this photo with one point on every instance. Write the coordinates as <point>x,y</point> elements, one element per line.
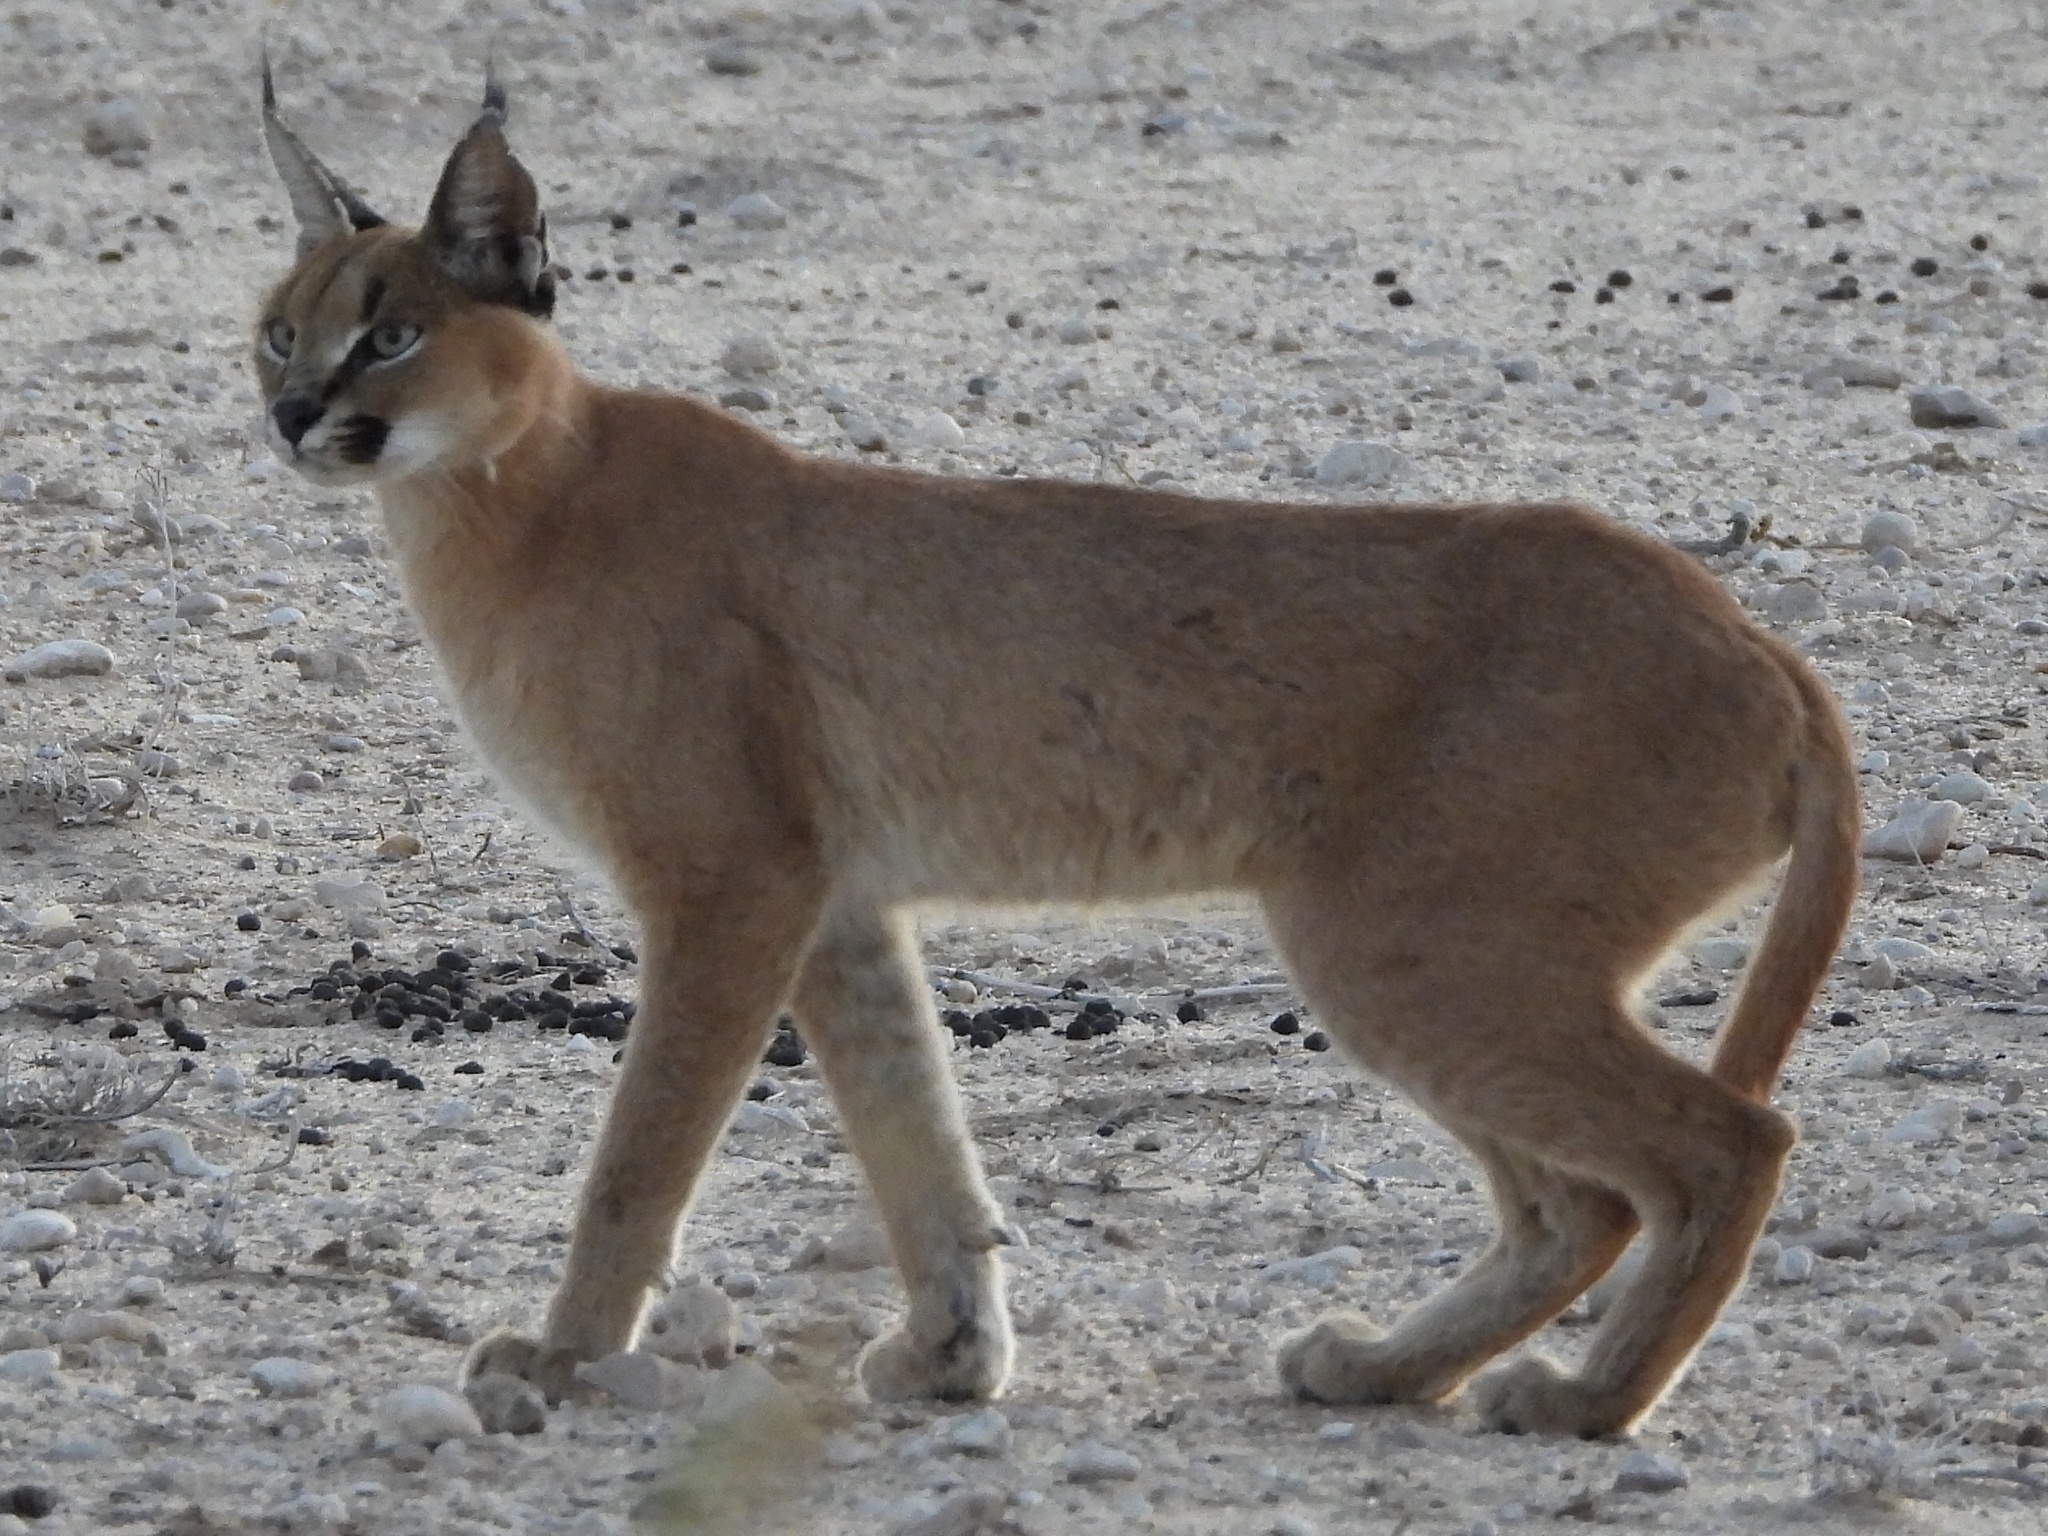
<point>532,440</point>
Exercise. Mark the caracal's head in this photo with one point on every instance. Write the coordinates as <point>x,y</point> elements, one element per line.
<point>389,352</point>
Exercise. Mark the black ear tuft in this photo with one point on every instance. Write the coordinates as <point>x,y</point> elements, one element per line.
<point>322,202</point>
<point>485,226</point>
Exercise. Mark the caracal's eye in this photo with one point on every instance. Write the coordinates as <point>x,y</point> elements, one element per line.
<point>278,337</point>
<point>391,340</point>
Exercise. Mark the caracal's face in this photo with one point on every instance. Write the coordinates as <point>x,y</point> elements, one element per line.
<point>362,357</point>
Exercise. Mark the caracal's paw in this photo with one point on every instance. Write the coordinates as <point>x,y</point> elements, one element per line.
<point>505,1353</point>
<point>1531,1396</point>
<point>1338,1360</point>
<point>974,1362</point>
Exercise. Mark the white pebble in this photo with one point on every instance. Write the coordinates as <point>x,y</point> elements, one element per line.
<point>1093,1462</point>
<point>1917,834</point>
<point>1869,1059</point>
<point>1795,1265</point>
<point>61,658</point>
<point>985,1433</point>
<point>1962,788</point>
<point>424,1415</point>
<point>1890,530</point>
<point>693,1324</point>
<point>282,1376</point>
<point>1360,463</point>
<point>937,430</point>
<point>28,1365</point>
<point>1645,1472</point>
<point>36,1231</point>
<point>756,210</point>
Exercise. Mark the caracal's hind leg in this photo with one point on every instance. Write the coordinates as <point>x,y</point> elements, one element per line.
<point>1558,1234</point>
<point>1529,1050</point>
<point>716,970</point>
<point>863,1004</point>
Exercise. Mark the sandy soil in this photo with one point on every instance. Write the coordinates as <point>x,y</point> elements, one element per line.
<point>1157,229</point>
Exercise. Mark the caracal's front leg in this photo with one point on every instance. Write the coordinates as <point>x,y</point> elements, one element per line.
<point>863,1004</point>
<point>716,970</point>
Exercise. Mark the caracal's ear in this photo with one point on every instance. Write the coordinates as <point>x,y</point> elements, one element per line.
<point>324,206</point>
<point>485,225</point>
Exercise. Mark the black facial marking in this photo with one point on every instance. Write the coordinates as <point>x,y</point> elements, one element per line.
<point>373,295</point>
<point>360,439</point>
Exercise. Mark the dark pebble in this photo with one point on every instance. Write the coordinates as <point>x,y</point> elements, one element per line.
<point>1815,219</point>
<point>1886,296</point>
<point>476,1021</point>
<point>958,1022</point>
<point>1620,277</point>
<point>627,953</point>
<point>189,1040</point>
<point>1386,277</point>
<point>1189,1012</point>
<point>1692,997</point>
<point>1023,1017</point>
<point>686,215</point>
<point>1285,1024</point>
<point>409,1083</point>
<point>235,988</point>
<point>1160,124</point>
<point>248,922</point>
<point>247,861</point>
<point>452,960</point>
<point>681,269</point>
<point>760,1093</point>
<point>1845,287</point>
<point>470,1069</point>
<point>1841,256</point>
<point>313,1136</point>
<point>31,1501</point>
<point>1924,266</point>
<point>554,1018</point>
<point>598,274</point>
<point>1074,984</point>
<point>2037,290</point>
<point>1108,304</point>
<point>1603,295</point>
<point>426,1034</point>
<point>982,1039</point>
<point>1852,213</point>
<point>1674,298</point>
<point>785,1050</point>
<point>1400,298</point>
<point>982,384</point>
<point>1315,1040</point>
<point>1564,285</point>
<point>359,950</point>
<point>324,991</point>
<point>622,221</point>
<point>591,976</point>
<point>124,1030</point>
<point>1842,1018</point>
<point>1080,1029</point>
<point>1721,295</point>
<point>1980,242</point>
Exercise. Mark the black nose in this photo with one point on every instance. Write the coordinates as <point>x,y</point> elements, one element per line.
<point>295,415</point>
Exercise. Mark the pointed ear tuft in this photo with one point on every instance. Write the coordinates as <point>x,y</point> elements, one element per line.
<point>485,225</point>
<point>323,205</point>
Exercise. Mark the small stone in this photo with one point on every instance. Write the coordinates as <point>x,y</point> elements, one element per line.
<point>424,1415</point>
<point>1945,406</point>
<point>61,658</point>
<point>937,430</point>
<point>30,1501</point>
<point>1093,1462</point>
<point>282,1376</point>
<point>1360,463</point>
<point>36,1232</point>
<point>1793,602</point>
<point>750,353</point>
<point>1646,1472</point>
<point>1917,834</point>
<point>1718,402</point>
<point>399,846</point>
<point>1521,370</point>
<point>18,487</point>
<point>748,397</point>
<point>860,1244</point>
<point>730,57</point>
<point>2010,1228</point>
<point>1962,788</point>
<point>1077,330</point>
<point>863,432</point>
<point>632,1378</point>
<point>1890,530</point>
<point>694,1325</point>
<point>198,607</point>
<point>985,1433</point>
<point>1964,1354</point>
<point>118,127</point>
<point>964,1514</point>
<point>141,1291</point>
<point>1931,1324</point>
<point>95,1186</point>
<point>343,668</point>
<point>349,895</point>
<point>756,210</point>
<point>1795,1265</point>
<point>506,1405</point>
<point>1868,1060</point>
<point>1928,1124</point>
<point>28,1365</point>
<point>306,780</point>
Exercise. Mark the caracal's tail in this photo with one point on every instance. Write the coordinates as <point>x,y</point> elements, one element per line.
<point>1812,910</point>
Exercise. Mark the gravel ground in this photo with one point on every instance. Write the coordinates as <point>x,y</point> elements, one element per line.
<point>1697,265</point>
